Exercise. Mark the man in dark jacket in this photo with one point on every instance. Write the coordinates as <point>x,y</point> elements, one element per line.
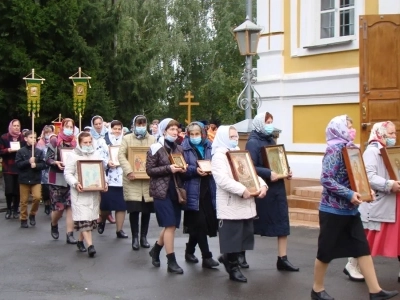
<point>30,175</point>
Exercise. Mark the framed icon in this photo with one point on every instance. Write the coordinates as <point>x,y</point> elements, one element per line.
<point>15,146</point>
<point>91,175</point>
<point>64,153</point>
<point>391,158</point>
<point>274,158</point>
<point>243,170</point>
<point>113,152</point>
<point>177,159</point>
<point>357,174</point>
<point>137,160</point>
<point>204,165</point>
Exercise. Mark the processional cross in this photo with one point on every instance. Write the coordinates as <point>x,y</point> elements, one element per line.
<point>189,104</point>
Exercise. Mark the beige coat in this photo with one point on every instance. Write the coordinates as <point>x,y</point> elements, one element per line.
<point>136,189</point>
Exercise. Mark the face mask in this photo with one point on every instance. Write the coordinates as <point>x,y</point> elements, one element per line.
<point>87,149</point>
<point>46,137</point>
<point>68,132</point>
<point>269,128</point>
<point>233,143</point>
<point>170,138</point>
<point>352,134</point>
<point>140,130</point>
<point>196,140</point>
<point>390,142</point>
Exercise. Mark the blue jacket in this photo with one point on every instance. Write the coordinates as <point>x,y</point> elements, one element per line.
<point>192,179</point>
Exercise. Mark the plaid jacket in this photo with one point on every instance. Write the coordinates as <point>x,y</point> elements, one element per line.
<point>9,166</point>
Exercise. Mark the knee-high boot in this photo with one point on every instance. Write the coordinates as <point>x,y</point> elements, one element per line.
<point>144,227</point>
<point>134,222</point>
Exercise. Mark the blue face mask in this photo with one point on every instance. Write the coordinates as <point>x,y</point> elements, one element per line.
<point>140,130</point>
<point>233,143</point>
<point>390,142</point>
<point>68,132</point>
<point>269,128</point>
<point>170,138</point>
<point>87,149</point>
<point>196,140</point>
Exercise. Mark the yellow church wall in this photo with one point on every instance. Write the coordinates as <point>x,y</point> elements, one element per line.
<point>310,121</point>
<point>329,61</point>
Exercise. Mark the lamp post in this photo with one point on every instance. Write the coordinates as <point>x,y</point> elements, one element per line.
<point>247,36</point>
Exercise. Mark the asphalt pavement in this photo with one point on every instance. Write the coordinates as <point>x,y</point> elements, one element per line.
<point>34,266</point>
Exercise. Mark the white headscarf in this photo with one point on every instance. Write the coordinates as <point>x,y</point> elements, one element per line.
<point>222,139</point>
<point>259,123</point>
<point>161,129</point>
<point>78,148</point>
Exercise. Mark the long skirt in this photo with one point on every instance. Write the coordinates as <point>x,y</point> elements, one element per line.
<point>341,236</point>
<point>236,235</point>
<point>386,242</point>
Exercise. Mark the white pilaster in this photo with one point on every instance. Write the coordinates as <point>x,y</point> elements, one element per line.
<point>389,7</point>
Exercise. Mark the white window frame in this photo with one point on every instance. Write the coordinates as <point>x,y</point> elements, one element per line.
<point>310,30</point>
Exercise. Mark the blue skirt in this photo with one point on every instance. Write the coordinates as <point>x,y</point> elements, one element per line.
<point>113,199</point>
<point>168,210</point>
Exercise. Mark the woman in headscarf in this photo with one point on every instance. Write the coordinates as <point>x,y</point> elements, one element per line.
<point>136,191</point>
<point>236,207</point>
<point>163,190</point>
<point>10,142</point>
<point>43,143</point>
<point>200,217</point>
<point>381,217</point>
<point>341,231</point>
<point>272,210</point>
<point>98,131</point>
<point>113,199</point>
<point>58,188</point>
<point>85,205</point>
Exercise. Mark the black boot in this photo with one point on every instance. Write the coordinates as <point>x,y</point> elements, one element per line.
<point>242,260</point>
<point>70,238</point>
<point>232,267</point>
<point>100,227</point>
<point>284,265</point>
<point>134,222</point>
<point>8,214</point>
<point>47,209</point>
<point>135,242</point>
<point>173,266</point>
<point>208,261</point>
<point>81,246</point>
<point>189,254</point>
<point>54,231</point>
<point>121,234</point>
<point>91,251</point>
<point>24,224</point>
<point>143,230</point>
<point>155,255</point>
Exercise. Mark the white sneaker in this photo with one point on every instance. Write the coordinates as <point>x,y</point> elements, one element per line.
<point>353,270</point>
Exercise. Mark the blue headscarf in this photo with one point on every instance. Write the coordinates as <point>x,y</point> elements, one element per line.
<point>93,131</point>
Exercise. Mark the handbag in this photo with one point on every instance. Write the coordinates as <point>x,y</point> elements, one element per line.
<point>182,197</point>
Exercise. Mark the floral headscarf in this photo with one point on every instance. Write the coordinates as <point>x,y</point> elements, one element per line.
<point>11,131</point>
<point>64,138</point>
<point>193,126</point>
<point>259,123</point>
<point>378,132</point>
<point>133,127</point>
<point>94,132</point>
<point>337,132</point>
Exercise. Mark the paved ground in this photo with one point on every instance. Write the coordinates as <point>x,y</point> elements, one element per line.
<point>34,266</point>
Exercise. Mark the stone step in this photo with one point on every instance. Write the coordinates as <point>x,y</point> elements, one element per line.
<point>303,202</point>
<point>309,192</point>
<point>309,224</point>
<point>301,214</point>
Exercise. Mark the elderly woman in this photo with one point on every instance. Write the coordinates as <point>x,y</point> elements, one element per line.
<point>136,191</point>
<point>163,190</point>
<point>380,218</point>
<point>200,217</point>
<point>236,207</point>
<point>10,172</point>
<point>341,231</point>
<point>272,210</point>
<point>85,204</point>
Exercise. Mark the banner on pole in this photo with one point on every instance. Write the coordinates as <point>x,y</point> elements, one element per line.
<point>80,92</point>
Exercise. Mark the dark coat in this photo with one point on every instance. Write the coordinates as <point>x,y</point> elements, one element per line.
<point>272,210</point>
<point>8,163</point>
<point>158,167</point>
<point>193,179</point>
<point>27,175</point>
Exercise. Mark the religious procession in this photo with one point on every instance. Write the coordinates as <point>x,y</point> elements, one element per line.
<point>156,135</point>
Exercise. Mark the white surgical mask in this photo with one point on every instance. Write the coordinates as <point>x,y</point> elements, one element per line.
<point>170,138</point>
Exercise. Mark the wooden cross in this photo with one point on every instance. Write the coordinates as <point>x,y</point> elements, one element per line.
<point>189,104</point>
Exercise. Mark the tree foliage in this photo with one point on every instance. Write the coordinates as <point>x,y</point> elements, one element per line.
<point>143,56</point>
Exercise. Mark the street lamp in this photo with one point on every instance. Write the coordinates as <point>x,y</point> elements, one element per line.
<point>247,36</point>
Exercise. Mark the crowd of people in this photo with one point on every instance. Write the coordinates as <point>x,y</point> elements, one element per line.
<point>215,204</point>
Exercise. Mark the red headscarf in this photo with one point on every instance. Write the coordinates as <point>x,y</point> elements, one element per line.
<point>64,138</point>
<point>11,131</point>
